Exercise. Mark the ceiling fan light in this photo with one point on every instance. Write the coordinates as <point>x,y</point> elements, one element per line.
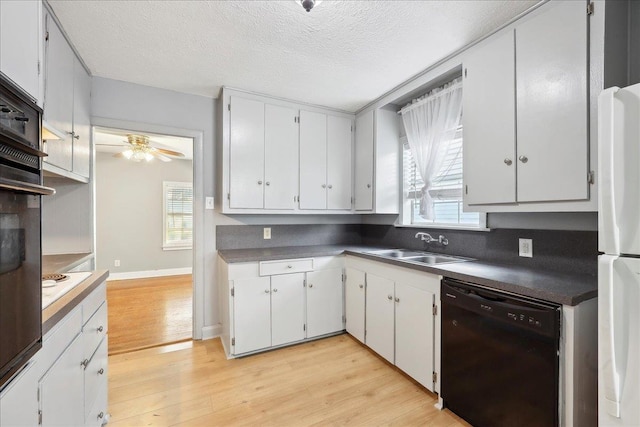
<point>148,156</point>
<point>127,154</point>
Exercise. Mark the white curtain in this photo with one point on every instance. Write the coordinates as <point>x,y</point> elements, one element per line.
<point>430,122</point>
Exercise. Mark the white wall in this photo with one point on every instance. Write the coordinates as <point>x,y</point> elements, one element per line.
<point>129,214</point>
<point>135,107</point>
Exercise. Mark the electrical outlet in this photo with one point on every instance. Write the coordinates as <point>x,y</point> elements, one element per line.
<point>116,263</point>
<point>208,203</point>
<point>267,233</point>
<point>526,248</point>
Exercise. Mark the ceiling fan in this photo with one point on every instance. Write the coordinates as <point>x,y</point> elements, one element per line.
<point>139,149</point>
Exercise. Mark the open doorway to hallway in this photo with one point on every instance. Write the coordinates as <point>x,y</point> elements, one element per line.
<point>144,236</point>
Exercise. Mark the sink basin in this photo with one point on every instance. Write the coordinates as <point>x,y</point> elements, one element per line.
<point>428,258</point>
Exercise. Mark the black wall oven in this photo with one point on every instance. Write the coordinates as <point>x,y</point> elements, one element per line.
<point>20,238</point>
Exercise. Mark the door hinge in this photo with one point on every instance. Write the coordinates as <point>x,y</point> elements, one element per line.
<point>344,277</point>
<point>591,177</point>
<point>590,8</point>
<point>38,67</point>
<point>434,376</point>
<point>465,72</point>
<point>352,128</point>
<point>466,189</point>
<point>39,417</point>
<point>304,327</point>
<point>233,341</point>
<point>229,107</point>
<point>344,319</point>
<point>46,36</point>
<point>304,283</point>
<point>228,196</point>
<point>233,292</point>
<point>435,310</point>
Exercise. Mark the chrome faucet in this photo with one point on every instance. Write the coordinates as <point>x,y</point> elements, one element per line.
<point>427,238</point>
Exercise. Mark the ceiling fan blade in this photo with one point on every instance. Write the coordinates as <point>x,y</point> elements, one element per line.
<point>160,156</point>
<point>110,145</point>
<point>167,152</point>
<point>119,155</point>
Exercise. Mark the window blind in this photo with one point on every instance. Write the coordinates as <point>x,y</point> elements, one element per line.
<point>178,199</point>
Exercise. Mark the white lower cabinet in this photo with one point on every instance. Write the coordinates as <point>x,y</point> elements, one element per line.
<point>400,320</point>
<point>264,307</point>
<point>65,383</point>
<point>355,303</point>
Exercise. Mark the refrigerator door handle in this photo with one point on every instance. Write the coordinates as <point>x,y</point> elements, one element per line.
<point>611,343</point>
<point>609,233</point>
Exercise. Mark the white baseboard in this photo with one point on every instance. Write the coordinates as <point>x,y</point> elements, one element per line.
<point>209,332</point>
<point>150,273</point>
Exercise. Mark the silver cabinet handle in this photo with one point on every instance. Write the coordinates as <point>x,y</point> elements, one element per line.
<point>397,299</point>
<point>523,159</point>
<point>84,363</point>
<point>508,162</point>
<point>266,291</point>
<point>311,285</point>
<point>100,329</point>
<point>361,286</point>
<point>259,182</point>
<point>389,297</point>
<point>275,289</point>
<point>76,136</point>
<point>289,266</point>
<point>101,371</point>
<point>267,183</point>
<point>101,415</point>
<point>324,186</point>
<point>330,186</point>
<point>368,185</point>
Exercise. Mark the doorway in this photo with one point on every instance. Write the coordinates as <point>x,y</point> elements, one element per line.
<point>144,235</point>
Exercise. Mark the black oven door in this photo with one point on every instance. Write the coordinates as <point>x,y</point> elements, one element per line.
<point>20,279</point>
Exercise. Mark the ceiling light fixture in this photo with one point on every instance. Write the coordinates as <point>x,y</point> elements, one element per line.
<point>308,4</point>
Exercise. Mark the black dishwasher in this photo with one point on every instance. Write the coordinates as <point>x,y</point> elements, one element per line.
<point>500,358</point>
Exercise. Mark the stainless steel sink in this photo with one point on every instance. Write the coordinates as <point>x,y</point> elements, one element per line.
<point>428,258</point>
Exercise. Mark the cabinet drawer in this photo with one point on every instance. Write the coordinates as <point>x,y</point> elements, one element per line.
<point>59,338</point>
<point>94,331</point>
<point>95,376</point>
<point>97,413</point>
<point>91,303</point>
<point>269,268</point>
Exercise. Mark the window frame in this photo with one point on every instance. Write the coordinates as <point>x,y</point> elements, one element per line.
<point>182,244</point>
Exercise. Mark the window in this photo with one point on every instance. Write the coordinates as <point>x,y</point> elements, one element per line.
<point>446,190</point>
<point>178,215</point>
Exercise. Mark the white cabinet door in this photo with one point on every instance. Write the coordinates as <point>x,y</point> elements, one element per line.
<point>81,120</point>
<point>246,163</point>
<point>62,389</point>
<point>339,137</point>
<point>414,333</point>
<point>552,104</point>
<point>313,160</point>
<point>20,43</point>
<point>58,102</point>
<point>19,400</point>
<point>252,314</point>
<point>489,142</point>
<point>280,157</point>
<point>388,149</point>
<point>380,314</point>
<point>355,302</point>
<point>364,162</point>
<point>324,302</point>
<point>287,308</point>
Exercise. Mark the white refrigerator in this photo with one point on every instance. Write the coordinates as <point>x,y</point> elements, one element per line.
<point>619,266</point>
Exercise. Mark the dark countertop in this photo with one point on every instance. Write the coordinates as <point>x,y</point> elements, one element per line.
<point>554,286</point>
<point>61,307</point>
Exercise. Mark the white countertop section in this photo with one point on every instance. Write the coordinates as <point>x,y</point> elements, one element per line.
<point>49,295</point>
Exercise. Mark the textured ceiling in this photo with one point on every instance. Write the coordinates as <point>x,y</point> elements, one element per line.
<point>343,54</point>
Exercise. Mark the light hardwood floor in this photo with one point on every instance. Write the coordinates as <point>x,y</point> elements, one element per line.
<point>149,312</point>
<point>333,381</point>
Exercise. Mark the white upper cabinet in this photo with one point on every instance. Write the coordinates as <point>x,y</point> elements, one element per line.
<point>58,101</point>
<point>339,148</point>
<point>525,111</point>
<point>20,48</point>
<point>246,127</point>
<point>552,104</point>
<point>313,160</point>
<point>377,161</point>
<point>280,157</point>
<point>489,135</point>
<point>81,120</point>
<point>363,188</point>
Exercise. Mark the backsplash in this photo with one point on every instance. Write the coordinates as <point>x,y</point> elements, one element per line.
<point>568,251</point>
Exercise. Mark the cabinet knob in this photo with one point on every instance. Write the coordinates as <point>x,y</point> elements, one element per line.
<point>324,186</point>
<point>101,371</point>
<point>361,286</point>
<point>389,297</point>
<point>275,289</point>
<point>259,182</point>
<point>330,186</point>
<point>266,291</point>
<point>84,363</point>
<point>267,183</point>
<point>523,159</point>
<point>289,266</point>
<point>311,285</point>
<point>76,136</point>
<point>508,162</point>
<point>100,329</point>
<point>397,299</point>
<point>101,415</point>
<point>368,185</point>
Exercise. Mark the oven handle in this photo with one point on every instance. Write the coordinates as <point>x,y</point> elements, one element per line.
<point>25,187</point>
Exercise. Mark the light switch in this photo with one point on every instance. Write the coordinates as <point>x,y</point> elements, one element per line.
<point>208,203</point>
<point>526,248</point>
<point>267,233</point>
